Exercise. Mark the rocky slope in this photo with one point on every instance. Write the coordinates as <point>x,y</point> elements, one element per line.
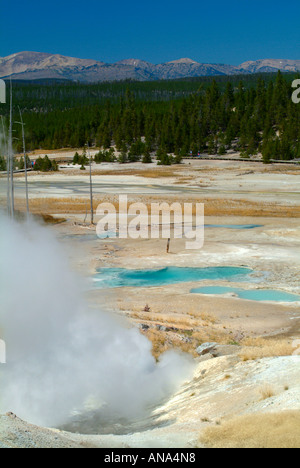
<point>15,433</point>
<point>36,66</point>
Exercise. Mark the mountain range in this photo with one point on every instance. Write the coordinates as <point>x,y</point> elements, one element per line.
<point>39,65</point>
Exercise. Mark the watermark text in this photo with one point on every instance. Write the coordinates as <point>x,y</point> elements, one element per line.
<point>296,93</point>
<point>159,221</point>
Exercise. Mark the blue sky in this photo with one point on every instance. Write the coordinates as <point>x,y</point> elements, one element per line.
<point>208,31</point>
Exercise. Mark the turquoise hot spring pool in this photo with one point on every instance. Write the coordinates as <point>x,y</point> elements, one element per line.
<point>250,294</point>
<point>119,277</point>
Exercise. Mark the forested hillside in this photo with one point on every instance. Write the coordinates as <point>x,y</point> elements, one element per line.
<point>250,114</point>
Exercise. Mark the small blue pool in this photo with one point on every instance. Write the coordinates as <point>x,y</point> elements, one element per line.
<point>119,277</point>
<point>90,237</point>
<point>234,226</point>
<point>107,235</point>
<point>251,295</point>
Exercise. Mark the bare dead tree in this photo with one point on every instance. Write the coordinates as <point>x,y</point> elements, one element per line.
<point>168,245</point>
<point>25,161</point>
<point>7,165</point>
<point>11,157</point>
<point>91,185</point>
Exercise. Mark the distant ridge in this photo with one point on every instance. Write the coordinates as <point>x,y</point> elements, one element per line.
<point>39,65</point>
<point>269,65</point>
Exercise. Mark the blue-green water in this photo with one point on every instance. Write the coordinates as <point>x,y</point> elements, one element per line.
<point>107,235</point>
<point>251,295</point>
<point>234,226</point>
<point>119,277</point>
<point>90,237</point>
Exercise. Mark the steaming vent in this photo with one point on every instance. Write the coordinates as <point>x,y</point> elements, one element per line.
<point>68,365</point>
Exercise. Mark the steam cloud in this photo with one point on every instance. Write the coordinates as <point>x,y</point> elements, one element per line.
<point>63,357</point>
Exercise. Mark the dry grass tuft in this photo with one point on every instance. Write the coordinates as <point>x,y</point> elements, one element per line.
<point>266,391</point>
<point>277,430</point>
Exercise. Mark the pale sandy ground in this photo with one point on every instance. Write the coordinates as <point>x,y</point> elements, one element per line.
<point>255,181</point>
<point>272,251</point>
<point>224,386</point>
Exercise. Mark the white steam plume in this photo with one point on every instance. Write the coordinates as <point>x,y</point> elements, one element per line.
<point>61,355</point>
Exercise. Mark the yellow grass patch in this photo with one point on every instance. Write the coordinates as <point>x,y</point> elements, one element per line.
<point>226,207</point>
<point>56,205</point>
<point>185,340</point>
<point>54,151</point>
<point>213,207</point>
<point>156,173</point>
<point>164,341</point>
<point>258,348</point>
<point>276,430</point>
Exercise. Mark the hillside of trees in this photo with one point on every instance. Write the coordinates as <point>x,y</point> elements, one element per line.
<point>249,114</point>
